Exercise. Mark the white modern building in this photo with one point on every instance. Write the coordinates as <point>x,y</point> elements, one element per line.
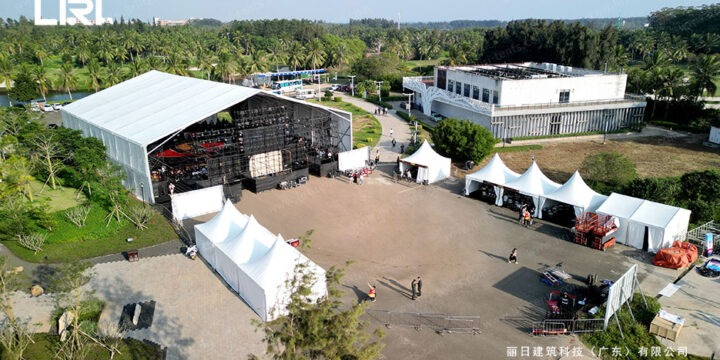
<point>529,99</point>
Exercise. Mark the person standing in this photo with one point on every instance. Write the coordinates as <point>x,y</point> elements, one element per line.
<point>377,159</point>
<point>371,293</point>
<point>513,256</point>
<point>393,142</point>
<point>171,187</point>
<point>413,285</point>
<point>419,286</point>
<point>361,179</point>
<point>391,132</point>
<point>402,148</point>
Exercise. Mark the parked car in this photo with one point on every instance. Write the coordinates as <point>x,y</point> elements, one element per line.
<point>438,117</point>
<point>57,106</point>
<point>403,105</point>
<point>335,87</point>
<point>47,108</point>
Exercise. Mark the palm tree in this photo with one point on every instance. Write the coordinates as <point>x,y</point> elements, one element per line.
<point>43,82</point>
<point>83,54</point>
<point>68,80</point>
<point>295,57</point>
<point>656,60</point>
<point>114,74</point>
<point>138,67</point>
<point>40,54</point>
<point>315,54</point>
<point>93,68</point>
<point>176,64</point>
<point>705,70</point>
<point>204,63</point>
<point>275,57</point>
<point>226,66</point>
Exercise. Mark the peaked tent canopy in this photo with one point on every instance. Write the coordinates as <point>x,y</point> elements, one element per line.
<point>255,263</point>
<point>661,224</point>
<point>621,207</point>
<point>227,224</point>
<point>494,172</point>
<point>576,193</point>
<point>432,167</point>
<point>535,184</point>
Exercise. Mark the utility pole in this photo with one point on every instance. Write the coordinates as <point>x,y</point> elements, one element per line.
<point>319,78</point>
<point>352,84</point>
<point>379,87</point>
<point>409,110</point>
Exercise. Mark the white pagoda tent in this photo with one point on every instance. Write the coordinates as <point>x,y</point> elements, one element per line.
<point>577,193</point>
<point>495,172</point>
<point>432,167</point>
<point>535,184</point>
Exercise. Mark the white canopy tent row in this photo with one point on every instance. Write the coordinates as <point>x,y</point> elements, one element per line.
<point>576,193</point>
<point>256,263</point>
<point>495,173</point>
<point>535,184</point>
<point>641,219</point>
<point>432,167</point>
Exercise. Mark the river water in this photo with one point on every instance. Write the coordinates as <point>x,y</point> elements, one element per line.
<point>50,97</point>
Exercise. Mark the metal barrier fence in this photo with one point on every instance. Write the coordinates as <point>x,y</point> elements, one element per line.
<point>440,323</point>
<point>696,236</point>
<point>564,326</point>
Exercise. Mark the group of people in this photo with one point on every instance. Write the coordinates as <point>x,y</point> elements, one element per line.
<point>525,215</point>
<point>416,285</point>
<point>381,110</point>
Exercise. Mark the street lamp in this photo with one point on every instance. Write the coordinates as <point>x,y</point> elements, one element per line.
<point>352,84</point>
<point>379,87</point>
<point>409,110</point>
<point>142,191</point>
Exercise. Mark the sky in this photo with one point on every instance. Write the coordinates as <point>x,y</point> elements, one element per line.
<point>340,11</point>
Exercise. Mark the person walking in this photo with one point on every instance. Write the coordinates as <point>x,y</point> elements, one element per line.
<point>393,142</point>
<point>361,179</point>
<point>413,285</point>
<point>371,293</point>
<point>419,286</point>
<point>513,256</point>
<point>377,159</point>
<point>391,132</point>
<point>402,148</point>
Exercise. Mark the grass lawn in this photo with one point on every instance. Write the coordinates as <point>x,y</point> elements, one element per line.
<point>419,63</point>
<point>366,127</point>
<point>44,348</point>
<point>59,199</point>
<point>68,242</point>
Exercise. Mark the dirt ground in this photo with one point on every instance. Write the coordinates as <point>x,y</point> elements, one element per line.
<point>394,232</point>
<point>652,156</point>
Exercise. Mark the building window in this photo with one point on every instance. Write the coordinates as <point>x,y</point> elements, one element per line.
<point>466,90</point>
<point>486,95</point>
<point>458,88</point>
<point>496,97</point>
<point>476,93</point>
<point>441,78</point>
<point>564,96</point>
<point>451,84</point>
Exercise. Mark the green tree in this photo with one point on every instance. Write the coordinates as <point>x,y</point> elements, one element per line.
<point>705,70</point>
<point>24,88</point>
<point>662,190</point>
<point>608,168</point>
<point>463,140</point>
<point>326,329</point>
<point>95,74</point>
<point>68,80</point>
<point>6,71</point>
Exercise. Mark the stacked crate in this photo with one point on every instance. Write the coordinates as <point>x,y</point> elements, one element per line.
<point>592,230</point>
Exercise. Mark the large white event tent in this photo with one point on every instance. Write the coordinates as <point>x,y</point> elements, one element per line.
<point>494,172</point>
<point>134,114</point>
<point>662,224</point>
<point>535,184</point>
<point>255,263</point>
<point>576,193</point>
<point>432,167</point>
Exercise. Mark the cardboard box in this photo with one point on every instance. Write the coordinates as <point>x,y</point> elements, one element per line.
<point>665,328</point>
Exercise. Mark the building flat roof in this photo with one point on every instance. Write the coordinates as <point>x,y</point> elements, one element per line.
<point>525,71</point>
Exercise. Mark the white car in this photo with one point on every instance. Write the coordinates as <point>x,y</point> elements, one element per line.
<point>47,108</point>
<point>57,106</point>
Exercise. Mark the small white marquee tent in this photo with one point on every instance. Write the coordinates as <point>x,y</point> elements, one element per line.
<point>662,224</point>
<point>255,263</point>
<point>576,193</point>
<point>432,167</point>
<point>496,173</point>
<point>353,159</point>
<point>535,184</point>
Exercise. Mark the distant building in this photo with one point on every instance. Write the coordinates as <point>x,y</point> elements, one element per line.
<point>162,22</point>
<point>529,99</point>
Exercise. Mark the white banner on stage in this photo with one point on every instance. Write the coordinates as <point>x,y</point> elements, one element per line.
<point>197,202</point>
<point>353,159</point>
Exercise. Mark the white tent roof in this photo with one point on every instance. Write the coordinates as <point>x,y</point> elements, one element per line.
<point>425,156</point>
<point>227,224</point>
<point>157,103</point>
<point>495,171</point>
<point>620,205</point>
<point>575,192</point>
<point>252,243</point>
<point>533,182</point>
<point>655,214</point>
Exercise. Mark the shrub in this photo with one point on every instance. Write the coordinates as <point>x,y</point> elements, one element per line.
<point>34,241</point>
<point>611,168</point>
<point>337,99</point>
<point>78,215</point>
<point>463,140</point>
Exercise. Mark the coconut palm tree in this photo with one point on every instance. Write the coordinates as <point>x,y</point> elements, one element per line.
<point>114,74</point>
<point>138,67</point>
<point>295,55</point>
<point>68,80</point>
<point>176,64</point>
<point>315,54</point>
<point>95,73</point>
<point>705,70</point>
<point>6,71</point>
<point>43,82</point>
<point>40,54</point>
